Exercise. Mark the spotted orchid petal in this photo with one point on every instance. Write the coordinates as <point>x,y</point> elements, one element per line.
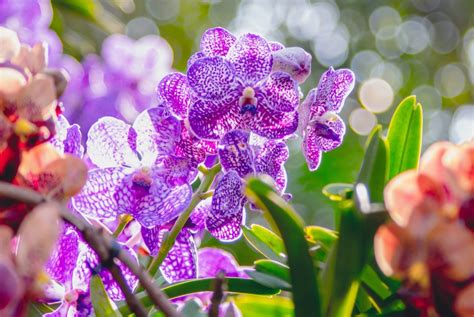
<point>193,148</point>
<point>270,160</point>
<point>272,124</point>
<point>174,170</point>
<point>227,212</point>
<point>111,143</point>
<point>68,138</point>
<point>216,42</point>
<point>180,263</point>
<point>293,60</point>
<point>275,46</point>
<point>151,239</point>
<point>211,77</point>
<point>235,152</point>
<point>113,290</point>
<point>329,132</point>
<point>157,134</point>
<point>160,203</point>
<point>281,92</point>
<point>99,197</point>
<point>211,261</point>
<point>252,58</point>
<point>333,89</point>
<point>211,120</point>
<point>174,89</point>
<point>198,217</point>
<point>311,151</point>
<point>195,57</point>
<point>64,257</point>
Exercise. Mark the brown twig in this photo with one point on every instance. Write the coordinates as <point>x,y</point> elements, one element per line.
<point>105,247</point>
<point>217,294</point>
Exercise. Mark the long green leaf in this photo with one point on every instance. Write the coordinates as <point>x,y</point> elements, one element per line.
<point>100,301</point>
<point>269,280</point>
<point>303,278</point>
<point>273,268</point>
<point>266,242</point>
<point>405,136</point>
<point>258,306</point>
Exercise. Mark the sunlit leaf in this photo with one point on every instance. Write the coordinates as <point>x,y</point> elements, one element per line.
<point>302,273</point>
<point>338,191</point>
<point>100,301</point>
<point>85,9</point>
<point>266,242</point>
<point>258,306</point>
<point>325,237</point>
<point>405,136</point>
<point>269,280</point>
<point>273,268</point>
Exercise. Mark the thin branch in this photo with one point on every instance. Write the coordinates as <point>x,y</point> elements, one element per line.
<point>217,294</point>
<point>105,247</point>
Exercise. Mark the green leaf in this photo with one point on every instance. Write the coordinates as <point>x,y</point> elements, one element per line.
<point>85,9</point>
<point>269,280</point>
<point>282,216</point>
<point>192,309</point>
<point>372,280</point>
<point>374,171</point>
<point>40,309</point>
<point>338,191</point>
<point>100,301</point>
<point>323,236</point>
<point>273,268</point>
<point>258,306</point>
<point>405,136</point>
<point>266,242</point>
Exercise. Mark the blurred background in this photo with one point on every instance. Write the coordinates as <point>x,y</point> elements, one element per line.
<point>396,48</point>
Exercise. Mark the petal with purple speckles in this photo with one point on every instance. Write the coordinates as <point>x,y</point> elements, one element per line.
<point>227,212</point>
<point>252,58</point>
<point>211,120</point>
<point>64,257</point>
<point>174,89</point>
<point>151,239</point>
<point>211,77</point>
<point>333,89</point>
<point>216,42</point>
<point>197,219</point>
<point>311,151</point>
<point>195,57</point>
<point>157,134</point>
<point>180,263</point>
<point>213,260</point>
<point>293,60</point>
<point>235,152</point>
<point>281,92</point>
<point>112,142</point>
<point>270,160</point>
<point>161,204</point>
<point>174,170</point>
<point>273,124</point>
<point>329,133</point>
<point>193,148</point>
<point>68,137</point>
<point>98,198</point>
<point>276,46</point>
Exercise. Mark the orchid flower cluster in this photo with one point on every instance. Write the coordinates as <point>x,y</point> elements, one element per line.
<point>232,111</point>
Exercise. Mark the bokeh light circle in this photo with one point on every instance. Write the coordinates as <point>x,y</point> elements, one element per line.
<point>376,95</point>
<point>450,80</point>
<point>462,125</point>
<point>362,121</point>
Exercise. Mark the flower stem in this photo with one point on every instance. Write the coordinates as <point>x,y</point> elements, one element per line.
<point>124,220</point>
<point>181,221</point>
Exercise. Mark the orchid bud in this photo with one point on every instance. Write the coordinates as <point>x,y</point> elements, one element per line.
<point>293,60</point>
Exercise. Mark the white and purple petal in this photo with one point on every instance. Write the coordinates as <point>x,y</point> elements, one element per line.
<point>211,261</point>
<point>333,89</point>
<point>174,89</point>
<point>197,219</point>
<point>227,212</point>
<point>68,138</point>
<point>272,124</point>
<point>111,143</point>
<point>100,197</point>
<point>157,134</point>
<point>180,263</point>
<point>211,77</point>
<point>252,58</point>
<point>293,60</point>
<point>174,171</point>
<point>151,239</point>
<point>161,204</point>
<point>281,92</point>
<point>210,120</point>
<point>216,41</point>
<point>329,131</point>
<point>270,160</point>
<point>235,152</point>
<point>311,151</point>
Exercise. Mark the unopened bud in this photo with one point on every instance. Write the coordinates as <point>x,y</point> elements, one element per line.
<point>293,60</point>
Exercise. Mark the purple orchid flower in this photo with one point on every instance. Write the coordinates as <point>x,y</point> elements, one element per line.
<point>322,129</point>
<point>239,158</point>
<point>68,137</point>
<point>232,86</point>
<point>138,172</point>
<point>70,265</point>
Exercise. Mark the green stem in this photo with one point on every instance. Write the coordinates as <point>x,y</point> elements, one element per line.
<point>181,221</point>
<point>124,220</point>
